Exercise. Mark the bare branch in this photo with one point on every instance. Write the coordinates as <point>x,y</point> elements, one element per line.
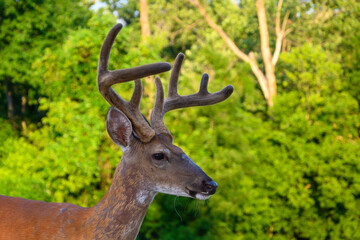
<point>277,50</point>
<point>222,34</point>
<point>278,31</point>
<point>265,50</point>
<point>182,30</point>
<point>267,81</point>
<point>259,75</point>
<point>285,20</point>
<point>287,32</point>
<point>278,16</point>
<point>281,33</point>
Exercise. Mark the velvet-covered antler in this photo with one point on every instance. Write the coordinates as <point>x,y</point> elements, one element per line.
<point>175,101</point>
<point>106,78</point>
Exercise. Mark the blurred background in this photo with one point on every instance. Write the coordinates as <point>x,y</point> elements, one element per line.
<point>284,148</point>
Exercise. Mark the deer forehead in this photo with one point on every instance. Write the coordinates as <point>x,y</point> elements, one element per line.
<point>171,149</point>
<point>168,150</point>
<point>162,144</point>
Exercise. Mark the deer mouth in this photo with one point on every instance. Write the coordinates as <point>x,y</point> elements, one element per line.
<point>198,195</point>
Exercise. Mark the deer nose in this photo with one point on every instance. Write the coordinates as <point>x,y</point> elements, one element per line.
<point>209,187</point>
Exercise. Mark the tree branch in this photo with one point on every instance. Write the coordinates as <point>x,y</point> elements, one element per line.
<point>187,28</point>
<point>267,81</point>
<point>265,50</point>
<point>259,75</point>
<point>222,34</point>
<point>280,32</point>
<point>278,15</point>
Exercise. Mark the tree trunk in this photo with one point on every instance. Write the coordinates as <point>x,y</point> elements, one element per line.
<point>267,81</point>
<point>9,99</point>
<point>24,107</point>
<point>266,52</point>
<point>144,19</point>
<point>146,33</point>
<point>24,101</point>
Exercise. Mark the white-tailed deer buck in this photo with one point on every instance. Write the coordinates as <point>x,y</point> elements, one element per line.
<point>150,163</point>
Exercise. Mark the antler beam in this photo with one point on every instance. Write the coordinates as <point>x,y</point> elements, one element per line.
<point>106,78</point>
<point>175,101</point>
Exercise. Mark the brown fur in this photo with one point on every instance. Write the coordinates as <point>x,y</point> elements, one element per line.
<point>140,174</point>
<point>118,215</point>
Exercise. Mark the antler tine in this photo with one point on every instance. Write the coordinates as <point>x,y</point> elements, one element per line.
<point>174,76</point>
<point>106,78</point>
<point>175,101</point>
<point>202,98</point>
<point>156,118</point>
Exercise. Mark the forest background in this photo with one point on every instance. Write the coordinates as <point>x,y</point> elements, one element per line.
<point>284,148</point>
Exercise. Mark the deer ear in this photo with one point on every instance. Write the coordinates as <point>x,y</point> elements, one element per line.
<point>119,127</point>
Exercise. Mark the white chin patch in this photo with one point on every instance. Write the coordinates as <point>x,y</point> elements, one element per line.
<point>180,192</point>
<point>201,196</point>
<point>172,191</point>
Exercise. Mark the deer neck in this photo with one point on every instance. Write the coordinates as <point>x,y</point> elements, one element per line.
<point>121,212</point>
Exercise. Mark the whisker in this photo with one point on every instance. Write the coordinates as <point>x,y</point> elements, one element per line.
<point>176,210</point>
<point>196,210</point>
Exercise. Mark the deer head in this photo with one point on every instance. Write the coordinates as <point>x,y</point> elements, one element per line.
<point>150,163</point>
<point>148,149</point>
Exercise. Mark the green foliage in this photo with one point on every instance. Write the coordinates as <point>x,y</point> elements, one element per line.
<point>288,172</point>
<point>28,27</point>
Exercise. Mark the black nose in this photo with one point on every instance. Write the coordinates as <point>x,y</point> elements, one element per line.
<point>209,187</point>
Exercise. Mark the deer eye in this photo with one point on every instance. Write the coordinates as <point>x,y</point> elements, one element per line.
<point>159,156</point>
